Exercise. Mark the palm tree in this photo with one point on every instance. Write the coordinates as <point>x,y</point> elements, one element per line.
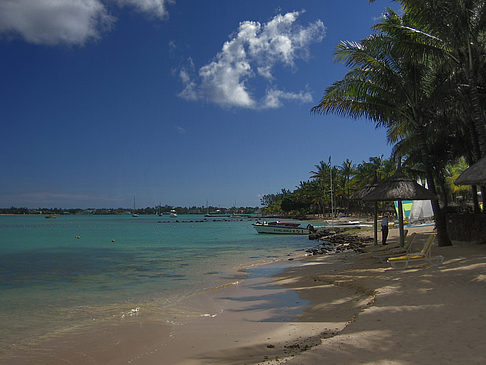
<point>321,172</point>
<point>392,85</point>
<point>347,170</point>
<point>455,30</point>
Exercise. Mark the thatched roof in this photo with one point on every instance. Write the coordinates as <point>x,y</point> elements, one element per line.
<point>360,194</point>
<point>399,187</point>
<point>474,175</point>
<point>365,190</point>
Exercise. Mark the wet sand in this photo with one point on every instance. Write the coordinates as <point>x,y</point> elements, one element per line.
<point>235,317</point>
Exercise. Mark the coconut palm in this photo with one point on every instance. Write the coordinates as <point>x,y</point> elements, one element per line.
<point>321,172</point>
<point>394,86</point>
<point>454,30</point>
<point>347,170</point>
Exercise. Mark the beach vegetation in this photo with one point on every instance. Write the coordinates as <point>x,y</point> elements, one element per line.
<point>420,76</point>
<point>313,196</point>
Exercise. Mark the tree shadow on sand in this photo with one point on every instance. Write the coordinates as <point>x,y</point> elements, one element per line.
<point>362,311</point>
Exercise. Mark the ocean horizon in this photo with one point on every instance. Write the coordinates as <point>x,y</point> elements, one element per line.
<point>76,271</point>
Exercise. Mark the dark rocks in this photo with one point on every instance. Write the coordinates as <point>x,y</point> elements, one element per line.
<point>323,232</point>
<point>340,242</point>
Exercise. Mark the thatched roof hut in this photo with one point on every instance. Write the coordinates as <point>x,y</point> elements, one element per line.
<point>359,195</point>
<point>399,187</point>
<point>474,175</point>
<point>365,190</point>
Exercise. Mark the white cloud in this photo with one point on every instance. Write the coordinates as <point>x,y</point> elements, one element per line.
<point>180,130</point>
<point>273,98</point>
<point>53,22</point>
<point>153,7</point>
<point>253,52</point>
<point>190,88</point>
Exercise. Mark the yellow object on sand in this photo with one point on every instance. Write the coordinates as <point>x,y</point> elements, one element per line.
<point>402,262</point>
<point>382,256</point>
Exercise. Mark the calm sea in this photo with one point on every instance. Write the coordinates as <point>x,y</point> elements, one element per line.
<point>63,273</point>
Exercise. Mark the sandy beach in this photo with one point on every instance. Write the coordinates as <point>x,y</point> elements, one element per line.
<point>341,309</point>
<point>422,315</point>
<point>363,312</point>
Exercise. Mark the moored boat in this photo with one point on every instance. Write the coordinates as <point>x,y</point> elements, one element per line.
<point>217,215</point>
<point>281,228</point>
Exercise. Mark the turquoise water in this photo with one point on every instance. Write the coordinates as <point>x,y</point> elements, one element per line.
<point>57,274</point>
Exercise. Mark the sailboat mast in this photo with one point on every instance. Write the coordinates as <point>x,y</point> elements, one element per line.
<point>133,211</point>
<point>332,198</point>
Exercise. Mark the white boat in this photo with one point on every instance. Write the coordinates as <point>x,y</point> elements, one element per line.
<point>217,215</point>
<point>173,213</point>
<point>344,224</point>
<point>280,228</point>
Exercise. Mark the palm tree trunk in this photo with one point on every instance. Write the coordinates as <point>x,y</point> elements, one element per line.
<point>474,152</point>
<point>478,124</point>
<point>444,192</point>
<point>439,216</point>
<point>478,121</point>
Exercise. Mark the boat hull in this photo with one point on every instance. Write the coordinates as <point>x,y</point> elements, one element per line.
<point>280,229</point>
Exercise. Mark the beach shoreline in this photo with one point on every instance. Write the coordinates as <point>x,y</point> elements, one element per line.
<point>139,338</point>
<point>343,308</point>
<point>362,311</point>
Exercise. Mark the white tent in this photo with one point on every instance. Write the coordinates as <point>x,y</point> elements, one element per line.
<point>421,209</point>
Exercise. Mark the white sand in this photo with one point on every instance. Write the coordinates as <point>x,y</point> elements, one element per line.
<point>364,312</point>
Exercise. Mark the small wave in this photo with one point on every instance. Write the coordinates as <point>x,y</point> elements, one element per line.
<point>132,312</point>
<point>208,315</point>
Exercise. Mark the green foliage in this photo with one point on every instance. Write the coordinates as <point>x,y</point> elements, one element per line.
<point>314,195</point>
<point>452,172</point>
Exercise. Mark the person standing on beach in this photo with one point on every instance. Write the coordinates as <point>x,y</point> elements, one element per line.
<point>384,229</point>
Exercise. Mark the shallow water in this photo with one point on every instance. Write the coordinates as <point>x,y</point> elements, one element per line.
<point>58,274</point>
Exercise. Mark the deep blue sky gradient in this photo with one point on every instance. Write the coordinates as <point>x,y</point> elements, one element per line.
<point>96,124</point>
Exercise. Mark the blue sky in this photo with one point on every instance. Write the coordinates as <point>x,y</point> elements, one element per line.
<point>178,102</point>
